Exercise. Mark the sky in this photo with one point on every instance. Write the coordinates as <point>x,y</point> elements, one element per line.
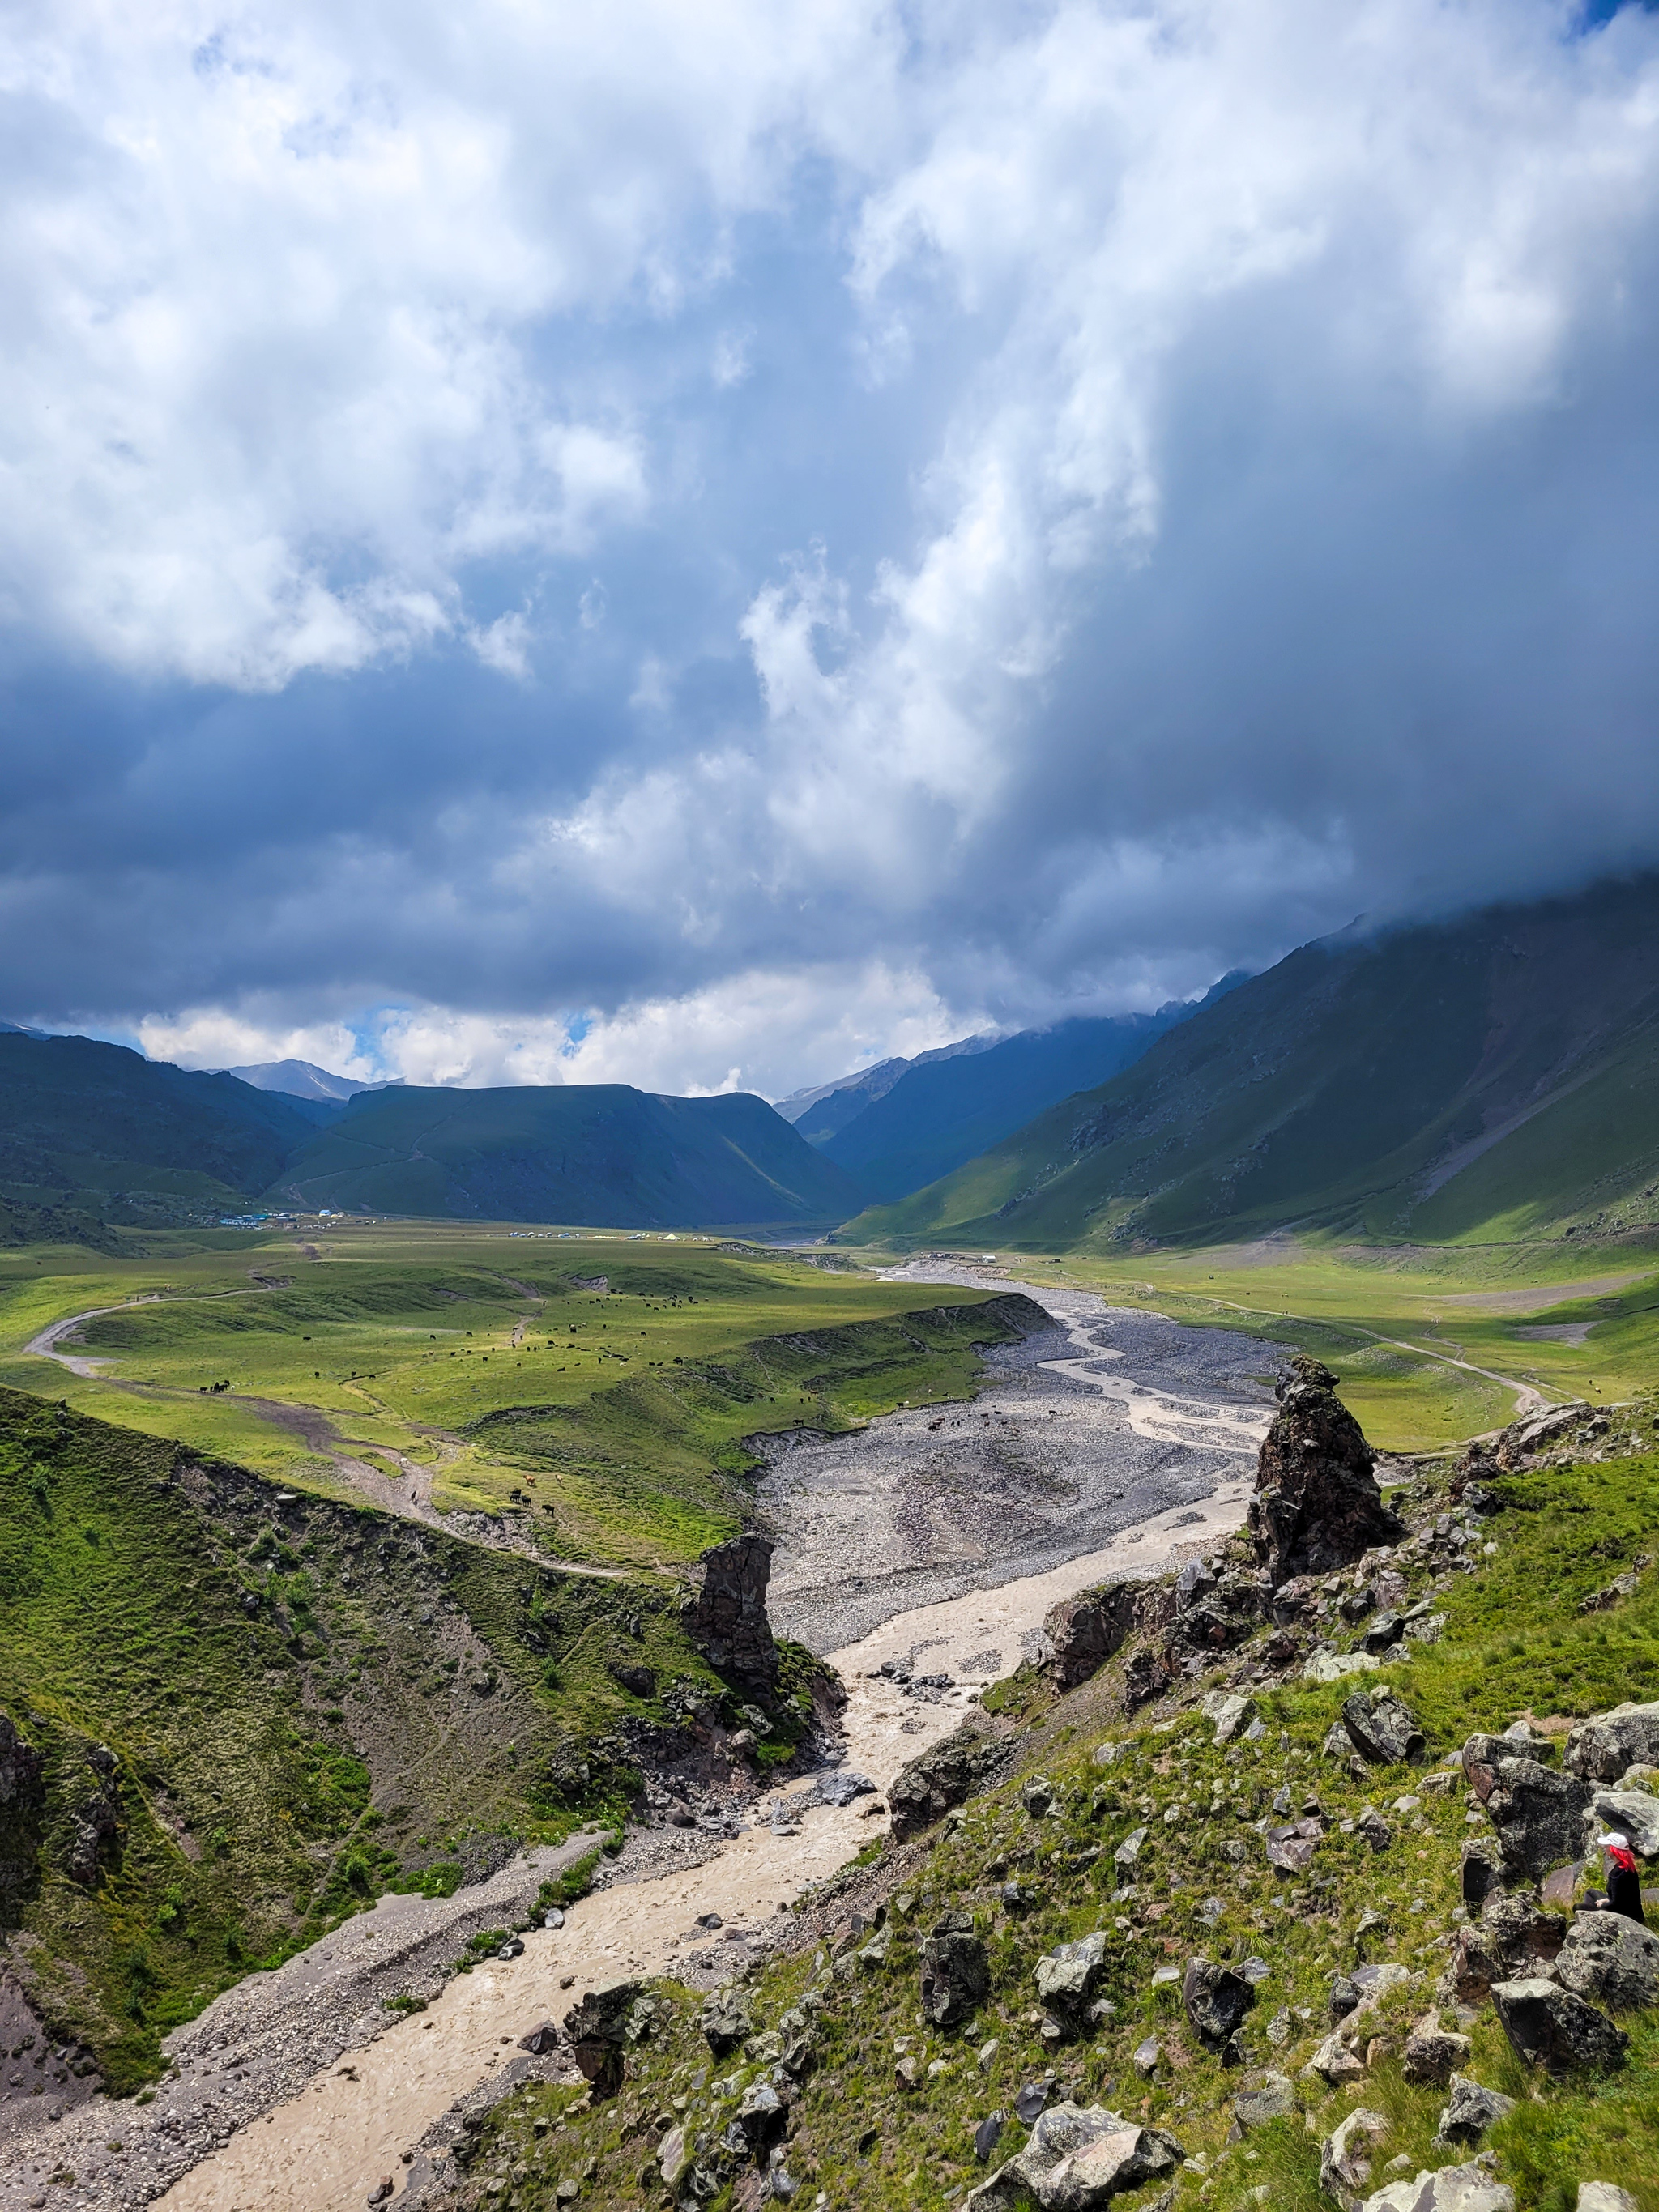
<point>703,545</point>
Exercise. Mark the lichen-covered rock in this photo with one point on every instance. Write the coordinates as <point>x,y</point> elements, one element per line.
<point>1215,2000</point>
<point>1068,1977</point>
<point>1511,1939</point>
<point>1451,2189</point>
<point>1077,2160</point>
<point>1633,1813</point>
<point>1274,2101</point>
<point>955,1973</point>
<point>1470,2111</point>
<point>1605,2196</point>
<point>943,1776</point>
<point>1547,2026</point>
<point>1538,1814</point>
<point>94,1817</point>
<point>726,1617</point>
<point>1381,1729</point>
<point>1344,2155</point>
<point>1085,1631</point>
<point>1317,1505</point>
<point>1610,1960</point>
<point>1601,1748</point>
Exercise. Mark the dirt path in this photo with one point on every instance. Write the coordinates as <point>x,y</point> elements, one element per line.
<point>44,1345</point>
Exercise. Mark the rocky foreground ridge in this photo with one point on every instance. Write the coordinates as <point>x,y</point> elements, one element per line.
<point>1271,1884</point>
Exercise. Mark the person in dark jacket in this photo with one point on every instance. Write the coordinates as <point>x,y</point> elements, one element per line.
<point>1624,1883</point>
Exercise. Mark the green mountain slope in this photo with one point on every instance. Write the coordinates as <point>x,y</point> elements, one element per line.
<point>302,1704</point>
<point>603,1154</point>
<point>1483,1078</point>
<point>945,1111</point>
<point>79,1115</point>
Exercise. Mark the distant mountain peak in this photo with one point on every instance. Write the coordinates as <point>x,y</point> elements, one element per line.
<point>302,1078</point>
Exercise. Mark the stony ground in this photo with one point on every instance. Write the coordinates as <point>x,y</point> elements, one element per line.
<point>1104,1422</point>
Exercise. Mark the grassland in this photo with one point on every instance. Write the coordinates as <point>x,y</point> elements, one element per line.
<point>861,2135</point>
<point>603,1385</point>
<point>1407,1326</point>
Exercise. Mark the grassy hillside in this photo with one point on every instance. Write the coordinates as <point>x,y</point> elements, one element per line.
<point>606,1384</point>
<point>596,1153</point>
<point>946,1111</point>
<point>305,1703</point>
<point>886,2107</point>
<point>1484,1079</point>
<point>95,1120</point>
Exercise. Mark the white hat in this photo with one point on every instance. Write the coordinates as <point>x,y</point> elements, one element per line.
<point>1619,1842</point>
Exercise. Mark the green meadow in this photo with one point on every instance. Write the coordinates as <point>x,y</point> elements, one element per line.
<point>606,1384</point>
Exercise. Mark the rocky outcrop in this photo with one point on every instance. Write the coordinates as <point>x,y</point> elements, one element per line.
<point>1068,1977</point>
<point>94,1817</point>
<point>1344,2155</point>
<point>943,1776</point>
<point>1317,1504</point>
<point>1085,1631</point>
<point>1547,2026</point>
<point>596,2029</point>
<point>1433,2053</point>
<point>1537,1814</point>
<point>1512,1939</point>
<point>1077,2159</point>
<point>725,2021</point>
<point>1633,1813</point>
<point>726,1617</point>
<point>956,1972</point>
<point>1470,2111</point>
<point>1523,1440</point>
<point>22,1802</point>
<point>1610,1960</point>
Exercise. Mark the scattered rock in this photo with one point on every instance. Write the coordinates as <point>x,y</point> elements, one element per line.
<point>988,2134</point>
<point>1605,2196</point>
<point>1631,1812</point>
<point>1432,2053</point>
<point>94,1817</point>
<point>1129,1849</point>
<point>673,2156</point>
<point>1381,1729</point>
<point>842,1785</point>
<point>725,2021</point>
<point>1145,2057</point>
<point>1317,1505</point>
<point>956,1974</point>
<point>1229,1712</point>
<point>1374,1828</point>
<point>1538,1432</point>
<point>1547,2026</point>
<point>1482,1870</point>
<point>639,1681</point>
<point>1038,1797</point>
<point>1030,2102</point>
<point>1215,2000</point>
<point>1608,1958</point>
<point>1291,1847</point>
<point>1334,2063</point>
<point>1336,1667</point>
<point>544,2037</point>
<point>1470,2111</point>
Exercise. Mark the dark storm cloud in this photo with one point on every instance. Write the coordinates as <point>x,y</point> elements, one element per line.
<point>786,542</point>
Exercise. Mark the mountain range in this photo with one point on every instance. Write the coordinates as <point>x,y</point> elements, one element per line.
<point>1484,1077</point>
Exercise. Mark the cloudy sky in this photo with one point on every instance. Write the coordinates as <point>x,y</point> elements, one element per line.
<point>701,541</point>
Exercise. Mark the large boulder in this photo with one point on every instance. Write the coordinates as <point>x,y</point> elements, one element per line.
<point>1381,1729</point>
<point>1609,1959</point>
<point>941,1776</point>
<point>1512,1939</point>
<point>1077,2159</point>
<point>1537,1432</point>
<point>1547,2026</point>
<point>1539,1815</point>
<point>1344,2155</point>
<point>725,2020</point>
<point>1216,2000</point>
<point>726,1618</point>
<point>1433,2053</point>
<point>1087,1629</point>
<point>1317,1505</point>
<point>1450,2189</point>
<point>1069,1976</point>
<point>596,2028</point>
<point>1600,1749</point>
<point>955,1973</point>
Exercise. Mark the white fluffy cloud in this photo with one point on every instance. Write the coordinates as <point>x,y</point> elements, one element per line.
<point>773,531</point>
